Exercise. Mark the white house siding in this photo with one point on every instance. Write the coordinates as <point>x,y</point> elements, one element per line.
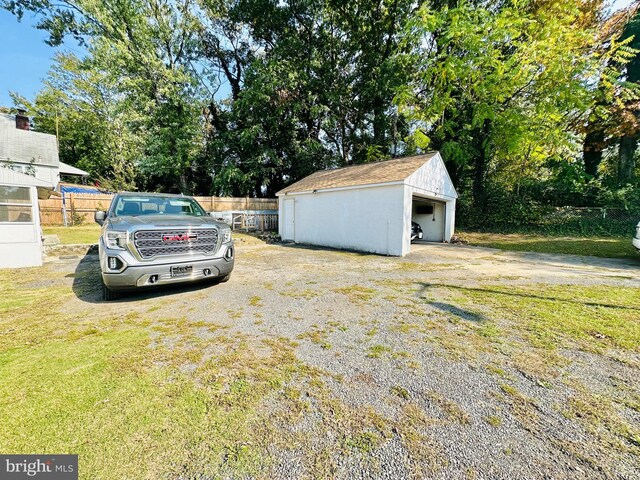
<point>25,150</point>
<point>20,244</point>
<point>46,173</point>
<point>368,219</point>
<point>26,145</point>
<point>433,177</point>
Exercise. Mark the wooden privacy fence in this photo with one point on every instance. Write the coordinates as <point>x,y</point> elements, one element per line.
<point>78,208</point>
<point>223,204</point>
<point>72,209</point>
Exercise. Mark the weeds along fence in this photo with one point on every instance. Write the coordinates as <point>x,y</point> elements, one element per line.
<point>590,221</point>
<point>576,221</point>
<point>78,209</point>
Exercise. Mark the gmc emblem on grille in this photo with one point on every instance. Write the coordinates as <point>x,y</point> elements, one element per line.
<point>184,237</point>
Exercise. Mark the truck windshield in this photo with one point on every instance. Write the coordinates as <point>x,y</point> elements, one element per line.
<point>156,205</point>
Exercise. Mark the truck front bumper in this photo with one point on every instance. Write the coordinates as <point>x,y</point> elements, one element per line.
<point>134,277</point>
<point>636,243</point>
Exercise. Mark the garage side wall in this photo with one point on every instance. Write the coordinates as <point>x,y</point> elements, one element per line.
<point>367,219</point>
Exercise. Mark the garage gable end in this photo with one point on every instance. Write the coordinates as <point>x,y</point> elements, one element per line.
<point>433,178</point>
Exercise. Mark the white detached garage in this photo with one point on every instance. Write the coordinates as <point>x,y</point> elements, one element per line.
<point>370,207</point>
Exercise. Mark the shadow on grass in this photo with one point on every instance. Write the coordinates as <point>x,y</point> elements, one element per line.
<point>524,295</point>
<point>458,312</point>
<point>87,285</point>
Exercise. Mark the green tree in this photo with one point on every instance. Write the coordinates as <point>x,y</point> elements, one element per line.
<point>312,85</point>
<point>499,87</point>
<point>148,47</point>
<point>80,105</point>
<point>630,133</point>
<point>614,96</point>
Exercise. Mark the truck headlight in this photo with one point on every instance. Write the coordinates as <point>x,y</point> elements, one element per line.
<point>116,240</point>
<point>226,235</point>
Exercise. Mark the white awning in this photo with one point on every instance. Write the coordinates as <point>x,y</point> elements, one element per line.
<point>69,170</point>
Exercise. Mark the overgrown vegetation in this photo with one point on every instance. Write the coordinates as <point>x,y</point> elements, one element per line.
<point>607,247</point>
<point>533,103</point>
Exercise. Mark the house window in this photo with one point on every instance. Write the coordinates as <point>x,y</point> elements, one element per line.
<point>15,204</point>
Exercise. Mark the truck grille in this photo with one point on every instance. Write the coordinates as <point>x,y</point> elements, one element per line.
<point>151,243</point>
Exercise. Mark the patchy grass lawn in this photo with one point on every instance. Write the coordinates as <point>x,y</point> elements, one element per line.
<point>594,246</point>
<point>227,381</point>
<point>82,234</point>
<point>537,325</point>
<point>597,319</point>
<point>92,382</point>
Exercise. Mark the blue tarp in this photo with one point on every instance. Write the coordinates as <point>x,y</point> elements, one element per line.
<point>78,189</point>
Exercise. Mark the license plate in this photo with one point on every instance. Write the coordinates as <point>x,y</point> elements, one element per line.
<point>181,271</point>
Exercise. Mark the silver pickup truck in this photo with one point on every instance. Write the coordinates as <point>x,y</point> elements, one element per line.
<point>151,239</point>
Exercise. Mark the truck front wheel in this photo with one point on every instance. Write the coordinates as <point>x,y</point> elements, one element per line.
<point>108,294</point>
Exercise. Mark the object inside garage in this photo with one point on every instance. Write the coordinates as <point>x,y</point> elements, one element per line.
<point>430,215</point>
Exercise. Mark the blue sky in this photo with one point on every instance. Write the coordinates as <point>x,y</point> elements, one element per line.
<point>25,58</point>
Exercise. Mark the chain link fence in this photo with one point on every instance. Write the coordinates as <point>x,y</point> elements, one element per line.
<point>591,221</point>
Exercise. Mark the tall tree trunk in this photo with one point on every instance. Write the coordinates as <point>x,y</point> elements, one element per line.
<point>626,158</point>
<point>594,143</point>
<point>379,123</point>
<point>478,190</point>
<point>183,184</point>
<point>480,167</point>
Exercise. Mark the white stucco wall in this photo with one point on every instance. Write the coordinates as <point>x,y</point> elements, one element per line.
<point>368,219</point>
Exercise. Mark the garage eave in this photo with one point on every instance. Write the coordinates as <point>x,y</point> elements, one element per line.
<point>336,189</point>
<point>429,193</point>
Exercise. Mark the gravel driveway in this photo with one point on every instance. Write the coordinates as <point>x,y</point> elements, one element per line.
<point>408,368</point>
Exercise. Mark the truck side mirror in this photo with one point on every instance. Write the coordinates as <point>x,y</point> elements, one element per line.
<point>99,217</point>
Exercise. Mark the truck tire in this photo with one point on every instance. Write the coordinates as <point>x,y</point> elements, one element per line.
<point>108,294</point>
<point>224,278</point>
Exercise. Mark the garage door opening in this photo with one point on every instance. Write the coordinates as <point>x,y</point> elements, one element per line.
<point>430,215</point>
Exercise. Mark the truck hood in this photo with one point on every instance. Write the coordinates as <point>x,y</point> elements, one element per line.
<point>163,221</point>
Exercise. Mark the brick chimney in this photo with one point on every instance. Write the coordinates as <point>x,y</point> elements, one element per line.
<point>22,121</point>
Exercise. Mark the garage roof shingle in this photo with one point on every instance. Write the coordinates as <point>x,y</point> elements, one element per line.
<point>387,171</point>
